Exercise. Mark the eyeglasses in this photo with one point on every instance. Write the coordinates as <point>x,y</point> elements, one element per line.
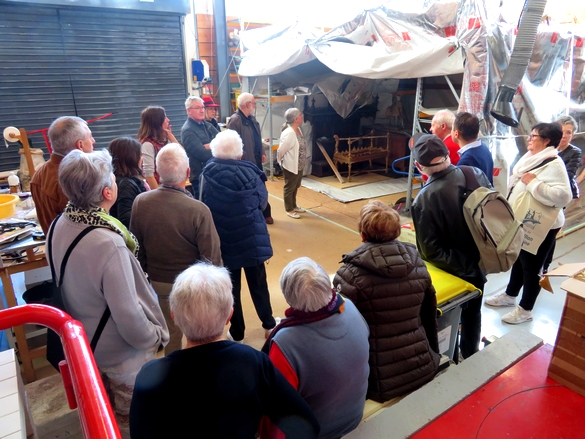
<point>532,136</point>
<point>196,108</point>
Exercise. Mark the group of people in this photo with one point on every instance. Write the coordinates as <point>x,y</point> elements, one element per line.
<point>167,262</point>
<point>543,180</point>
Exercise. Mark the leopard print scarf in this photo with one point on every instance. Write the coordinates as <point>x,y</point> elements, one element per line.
<point>97,216</point>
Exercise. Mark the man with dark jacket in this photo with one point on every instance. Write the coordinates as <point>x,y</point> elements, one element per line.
<point>246,125</point>
<point>442,235</point>
<point>174,231</point>
<point>235,192</point>
<point>472,151</point>
<point>196,135</point>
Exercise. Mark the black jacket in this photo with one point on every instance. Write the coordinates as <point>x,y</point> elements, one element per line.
<point>193,136</point>
<point>128,189</point>
<point>442,235</point>
<point>571,156</point>
<point>391,287</point>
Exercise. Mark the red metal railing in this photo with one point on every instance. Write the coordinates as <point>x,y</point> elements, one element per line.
<point>81,377</point>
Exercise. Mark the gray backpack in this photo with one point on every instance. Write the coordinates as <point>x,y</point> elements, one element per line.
<point>497,234</point>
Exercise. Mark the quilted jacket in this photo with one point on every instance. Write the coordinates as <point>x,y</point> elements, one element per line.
<point>391,287</point>
<point>235,192</point>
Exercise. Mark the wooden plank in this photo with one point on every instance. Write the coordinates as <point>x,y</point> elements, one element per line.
<point>337,174</point>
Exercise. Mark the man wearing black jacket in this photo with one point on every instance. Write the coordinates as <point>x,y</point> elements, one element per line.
<point>442,235</point>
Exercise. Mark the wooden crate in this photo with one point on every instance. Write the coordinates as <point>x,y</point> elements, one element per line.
<point>567,366</point>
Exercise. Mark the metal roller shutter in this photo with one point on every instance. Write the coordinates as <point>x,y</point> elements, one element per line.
<point>87,62</point>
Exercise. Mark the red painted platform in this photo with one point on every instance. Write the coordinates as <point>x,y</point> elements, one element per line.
<point>520,403</point>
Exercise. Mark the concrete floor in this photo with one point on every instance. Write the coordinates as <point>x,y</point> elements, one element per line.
<point>328,230</point>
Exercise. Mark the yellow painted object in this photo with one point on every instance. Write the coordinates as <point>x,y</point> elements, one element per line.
<point>446,285</point>
<point>7,205</point>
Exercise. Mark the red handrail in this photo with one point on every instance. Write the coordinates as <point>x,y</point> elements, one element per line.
<point>95,411</point>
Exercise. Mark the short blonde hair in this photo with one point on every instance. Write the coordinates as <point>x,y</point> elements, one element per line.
<point>378,222</point>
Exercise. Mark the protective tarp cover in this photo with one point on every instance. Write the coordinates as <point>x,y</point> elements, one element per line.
<point>396,40</point>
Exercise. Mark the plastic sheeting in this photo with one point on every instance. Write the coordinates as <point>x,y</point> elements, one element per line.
<point>378,43</point>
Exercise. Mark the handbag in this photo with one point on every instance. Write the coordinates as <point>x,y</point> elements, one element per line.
<point>55,352</point>
<point>537,220</point>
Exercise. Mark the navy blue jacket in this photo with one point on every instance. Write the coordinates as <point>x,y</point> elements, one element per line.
<point>481,158</point>
<point>235,192</point>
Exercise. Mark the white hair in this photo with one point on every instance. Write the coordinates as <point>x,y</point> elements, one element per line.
<point>65,132</point>
<point>244,98</point>
<point>172,164</point>
<point>227,145</point>
<point>190,99</point>
<point>430,170</point>
<point>83,177</point>
<point>444,117</point>
<point>306,285</point>
<point>201,301</point>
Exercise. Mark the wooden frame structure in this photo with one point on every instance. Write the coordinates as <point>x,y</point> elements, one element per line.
<point>357,152</point>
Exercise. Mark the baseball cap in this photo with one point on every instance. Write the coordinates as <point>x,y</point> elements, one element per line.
<point>427,148</point>
<point>208,102</point>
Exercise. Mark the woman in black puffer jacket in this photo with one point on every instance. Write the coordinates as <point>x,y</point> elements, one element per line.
<point>391,287</point>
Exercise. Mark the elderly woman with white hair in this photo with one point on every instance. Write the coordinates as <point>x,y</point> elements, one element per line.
<point>235,192</point>
<point>102,272</point>
<point>292,155</point>
<point>322,348</point>
<point>213,387</point>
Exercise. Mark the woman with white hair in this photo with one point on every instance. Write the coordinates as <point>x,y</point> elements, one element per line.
<point>292,155</point>
<point>213,387</point>
<point>104,272</point>
<point>235,192</point>
<point>322,348</point>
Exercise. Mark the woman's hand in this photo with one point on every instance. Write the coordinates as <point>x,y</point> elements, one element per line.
<point>527,178</point>
<point>170,134</point>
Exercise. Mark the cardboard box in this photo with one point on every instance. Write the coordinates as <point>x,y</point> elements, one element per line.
<point>567,366</point>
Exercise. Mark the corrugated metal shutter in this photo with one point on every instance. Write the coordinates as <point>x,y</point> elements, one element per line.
<point>87,62</point>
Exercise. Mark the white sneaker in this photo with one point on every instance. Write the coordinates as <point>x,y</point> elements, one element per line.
<point>501,299</point>
<point>230,338</point>
<point>299,209</point>
<point>519,315</point>
<point>293,214</point>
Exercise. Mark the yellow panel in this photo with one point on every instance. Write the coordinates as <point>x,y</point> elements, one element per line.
<point>447,285</point>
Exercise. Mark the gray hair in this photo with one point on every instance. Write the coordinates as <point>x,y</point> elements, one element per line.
<point>84,175</point>
<point>65,131</point>
<point>290,115</point>
<point>568,120</point>
<point>430,170</point>
<point>244,98</point>
<point>444,117</point>
<point>227,145</point>
<point>172,164</point>
<point>201,301</point>
<point>306,285</point>
<point>190,99</point>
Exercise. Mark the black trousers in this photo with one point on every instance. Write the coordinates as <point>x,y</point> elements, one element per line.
<point>258,286</point>
<point>526,272</point>
<point>471,320</point>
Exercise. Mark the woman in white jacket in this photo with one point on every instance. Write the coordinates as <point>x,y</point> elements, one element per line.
<point>541,175</point>
<point>291,155</point>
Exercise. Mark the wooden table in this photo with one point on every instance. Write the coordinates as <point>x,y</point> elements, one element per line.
<point>30,261</point>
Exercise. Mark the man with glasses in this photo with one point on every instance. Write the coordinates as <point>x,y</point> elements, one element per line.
<point>65,134</point>
<point>246,125</point>
<point>196,135</point>
<point>473,152</point>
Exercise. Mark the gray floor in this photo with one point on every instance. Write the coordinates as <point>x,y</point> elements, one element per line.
<point>548,309</point>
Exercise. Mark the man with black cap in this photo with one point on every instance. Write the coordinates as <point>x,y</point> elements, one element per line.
<point>442,235</point>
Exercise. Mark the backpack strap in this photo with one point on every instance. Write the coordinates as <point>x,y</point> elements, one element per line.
<point>58,284</point>
<point>471,182</point>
